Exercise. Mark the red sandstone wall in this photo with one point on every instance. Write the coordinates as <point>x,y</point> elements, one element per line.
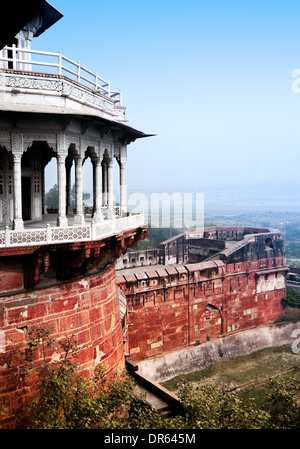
<point>87,308</point>
<point>171,311</point>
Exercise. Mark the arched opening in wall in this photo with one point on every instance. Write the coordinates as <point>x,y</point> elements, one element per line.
<point>70,183</point>
<point>269,243</point>
<point>212,321</point>
<point>269,247</point>
<point>32,180</point>
<point>88,181</point>
<point>49,185</point>
<point>116,182</point>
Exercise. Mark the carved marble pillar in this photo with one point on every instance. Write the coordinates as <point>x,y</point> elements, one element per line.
<point>44,205</point>
<point>79,213</point>
<point>104,183</point>
<point>97,190</point>
<point>69,186</point>
<point>18,221</point>
<point>110,189</point>
<point>123,188</point>
<point>61,181</point>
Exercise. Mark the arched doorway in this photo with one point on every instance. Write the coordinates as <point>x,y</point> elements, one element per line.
<point>34,160</point>
<point>88,182</point>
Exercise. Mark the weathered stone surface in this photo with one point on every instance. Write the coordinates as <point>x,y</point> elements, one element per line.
<point>184,304</point>
<point>193,358</point>
<point>86,308</point>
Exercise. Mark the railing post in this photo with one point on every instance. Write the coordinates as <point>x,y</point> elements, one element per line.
<point>78,72</point>
<point>93,230</point>
<point>48,233</point>
<point>7,236</point>
<point>59,62</point>
<point>14,56</point>
<point>96,81</point>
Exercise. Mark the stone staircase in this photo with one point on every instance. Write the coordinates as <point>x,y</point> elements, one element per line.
<point>155,395</point>
<point>163,407</point>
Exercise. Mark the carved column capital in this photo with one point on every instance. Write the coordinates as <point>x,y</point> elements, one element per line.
<point>17,144</point>
<point>17,157</point>
<point>61,158</point>
<point>78,160</point>
<point>96,161</point>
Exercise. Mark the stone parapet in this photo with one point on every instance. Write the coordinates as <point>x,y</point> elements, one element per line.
<point>176,306</point>
<point>62,234</point>
<point>40,92</point>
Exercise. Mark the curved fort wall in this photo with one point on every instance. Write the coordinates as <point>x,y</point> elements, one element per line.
<point>87,308</point>
<point>175,306</point>
<point>70,288</point>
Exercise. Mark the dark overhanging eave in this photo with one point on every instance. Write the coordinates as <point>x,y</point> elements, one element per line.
<point>49,17</point>
<point>131,134</point>
<point>14,17</point>
<point>114,125</point>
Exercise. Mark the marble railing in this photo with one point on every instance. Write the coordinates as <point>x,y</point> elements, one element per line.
<point>58,234</point>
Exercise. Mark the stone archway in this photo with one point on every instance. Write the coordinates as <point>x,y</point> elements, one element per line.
<point>90,156</point>
<point>33,162</point>
<point>212,321</point>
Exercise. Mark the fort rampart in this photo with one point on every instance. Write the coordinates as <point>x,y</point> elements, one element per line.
<point>176,306</point>
<point>70,289</point>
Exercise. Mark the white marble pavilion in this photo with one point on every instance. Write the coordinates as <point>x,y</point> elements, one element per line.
<point>52,107</point>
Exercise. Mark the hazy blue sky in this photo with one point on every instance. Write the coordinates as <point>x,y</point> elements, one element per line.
<point>212,80</point>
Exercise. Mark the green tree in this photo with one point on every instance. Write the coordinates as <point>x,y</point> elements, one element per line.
<point>210,407</point>
<point>157,236</point>
<point>52,197</point>
<point>85,196</point>
<point>282,402</point>
<point>292,298</point>
<point>66,400</point>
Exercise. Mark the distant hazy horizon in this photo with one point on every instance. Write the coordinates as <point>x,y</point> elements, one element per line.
<point>214,81</point>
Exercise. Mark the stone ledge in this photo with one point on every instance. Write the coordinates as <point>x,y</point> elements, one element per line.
<point>193,358</point>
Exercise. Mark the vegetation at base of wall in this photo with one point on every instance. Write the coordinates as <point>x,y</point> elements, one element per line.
<point>66,400</point>
<point>292,298</point>
<point>291,304</point>
<point>210,407</point>
<point>267,382</point>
